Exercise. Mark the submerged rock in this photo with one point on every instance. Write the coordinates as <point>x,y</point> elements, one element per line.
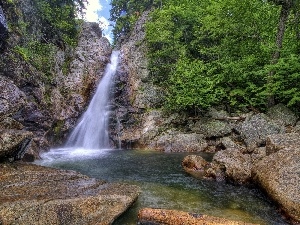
<point>31,194</point>
<point>279,175</point>
<point>148,216</point>
<point>195,165</point>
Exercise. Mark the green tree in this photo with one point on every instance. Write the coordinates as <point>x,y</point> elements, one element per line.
<point>232,43</point>
<point>125,13</point>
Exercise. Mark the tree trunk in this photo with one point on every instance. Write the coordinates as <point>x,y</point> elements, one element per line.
<point>284,15</point>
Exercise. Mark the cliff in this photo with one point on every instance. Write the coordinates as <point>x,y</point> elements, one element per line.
<point>45,84</point>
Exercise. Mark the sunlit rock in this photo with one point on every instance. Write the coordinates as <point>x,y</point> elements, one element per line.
<point>279,175</point>
<point>31,194</point>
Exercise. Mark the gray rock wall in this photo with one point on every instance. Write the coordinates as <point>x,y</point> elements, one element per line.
<point>47,104</point>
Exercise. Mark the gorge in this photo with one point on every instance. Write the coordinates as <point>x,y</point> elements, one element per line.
<point>40,107</point>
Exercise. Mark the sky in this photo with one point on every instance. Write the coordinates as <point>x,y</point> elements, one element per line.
<point>98,11</point>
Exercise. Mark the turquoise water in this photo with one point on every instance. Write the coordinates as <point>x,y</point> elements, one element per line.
<point>164,184</point>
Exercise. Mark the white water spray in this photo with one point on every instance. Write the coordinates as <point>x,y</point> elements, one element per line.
<point>92,130</point>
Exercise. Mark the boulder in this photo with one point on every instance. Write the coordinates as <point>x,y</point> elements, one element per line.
<point>282,115</point>
<point>279,175</point>
<point>13,143</point>
<point>212,128</point>
<point>195,165</point>
<point>236,165</point>
<point>149,216</point>
<point>181,142</point>
<point>255,129</point>
<point>31,194</point>
<point>280,141</point>
<point>228,142</point>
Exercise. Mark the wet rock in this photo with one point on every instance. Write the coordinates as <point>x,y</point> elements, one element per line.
<point>13,144</point>
<point>149,216</point>
<point>31,194</point>
<point>236,165</point>
<point>282,141</point>
<point>195,165</point>
<point>279,175</point>
<point>181,142</point>
<point>282,115</point>
<point>255,129</point>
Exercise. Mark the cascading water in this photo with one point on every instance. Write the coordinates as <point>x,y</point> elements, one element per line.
<point>92,130</point>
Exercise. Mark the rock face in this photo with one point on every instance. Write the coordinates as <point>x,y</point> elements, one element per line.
<point>148,216</point>
<point>3,29</point>
<point>47,104</point>
<point>279,175</point>
<point>31,194</point>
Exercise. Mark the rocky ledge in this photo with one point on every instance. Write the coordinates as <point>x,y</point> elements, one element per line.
<point>148,216</point>
<point>31,194</point>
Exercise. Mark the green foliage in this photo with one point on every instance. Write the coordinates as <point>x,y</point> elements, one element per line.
<point>125,13</point>
<point>285,85</point>
<point>59,20</point>
<point>219,52</point>
<point>39,55</point>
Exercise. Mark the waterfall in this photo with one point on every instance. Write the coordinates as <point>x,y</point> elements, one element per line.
<point>92,130</point>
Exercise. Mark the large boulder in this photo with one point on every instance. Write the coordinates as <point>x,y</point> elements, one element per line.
<point>13,143</point>
<point>31,194</point>
<point>255,129</point>
<point>236,165</point>
<point>280,141</point>
<point>212,128</point>
<point>195,165</point>
<point>181,142</point>
<point>279,175</point>
<point>282,115</point>
<point>149,216</point>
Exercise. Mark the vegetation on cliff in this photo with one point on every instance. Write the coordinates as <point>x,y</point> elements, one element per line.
<point>237,53</point>
<point>39,28</point>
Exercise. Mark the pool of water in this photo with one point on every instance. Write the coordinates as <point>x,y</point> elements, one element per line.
<point>164,184</point>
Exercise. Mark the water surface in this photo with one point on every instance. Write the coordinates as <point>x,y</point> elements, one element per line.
<point>164,184</point>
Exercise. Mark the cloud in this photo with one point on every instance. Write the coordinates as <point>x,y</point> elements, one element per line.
<point>103,23</point>
<point>92,10</point>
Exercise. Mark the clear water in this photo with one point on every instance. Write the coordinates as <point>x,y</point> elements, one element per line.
<point>164,184</point>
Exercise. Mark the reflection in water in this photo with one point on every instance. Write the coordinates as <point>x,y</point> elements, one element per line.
<point>165,185</point>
